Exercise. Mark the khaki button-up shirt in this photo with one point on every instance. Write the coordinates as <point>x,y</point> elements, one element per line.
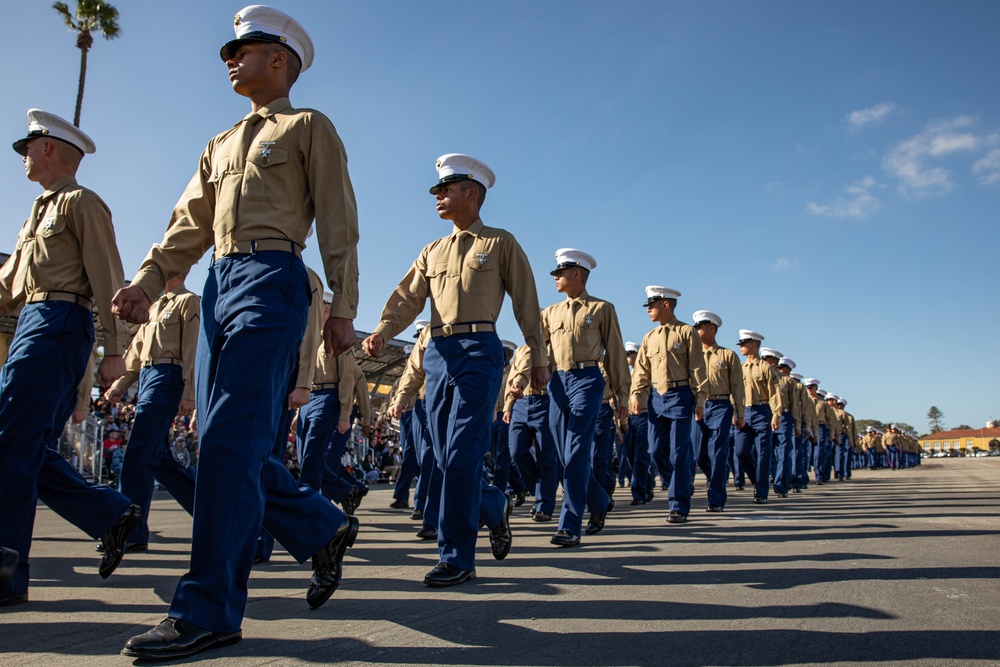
<point>520,372</point>
<point>466,275</point>
<point>586,329</point>
<point>760,383</point>
<point>67,244</point>
<point>725,377</point>
<point>669,354</point>
<point>295,172</point>
<point>170,334</point>
<point>789,398</point>
<point>808,409</point>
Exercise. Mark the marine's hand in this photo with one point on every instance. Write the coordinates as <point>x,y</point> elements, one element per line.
<point>298,398</point>
<point>112,367</point>
<point>373,345</point>
<point>131,304</point>
<point>338,336</point>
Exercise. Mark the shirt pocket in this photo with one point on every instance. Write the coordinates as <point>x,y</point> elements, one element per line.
<point>51,226</point>
<point>480,275</point>
<point>265,173</point>
<point>437,274</point>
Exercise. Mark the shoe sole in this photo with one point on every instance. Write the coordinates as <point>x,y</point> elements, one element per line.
<point>218,642</point>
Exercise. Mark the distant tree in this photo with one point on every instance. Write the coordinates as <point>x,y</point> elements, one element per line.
<point>963,427</point>
<point>906,428</point>
<point>934,418</point>
<point>90,16</point>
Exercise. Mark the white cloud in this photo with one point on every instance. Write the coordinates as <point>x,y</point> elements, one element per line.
<point>874,114</point>
<point>987,168</point>
<point>859,202</point>
<point>784,263</point>
<point>908,160</point>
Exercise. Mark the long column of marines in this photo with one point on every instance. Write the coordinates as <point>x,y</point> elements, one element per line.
<point>268,343</point>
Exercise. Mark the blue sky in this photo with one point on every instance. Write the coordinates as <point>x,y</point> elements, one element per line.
<point>825,173</point>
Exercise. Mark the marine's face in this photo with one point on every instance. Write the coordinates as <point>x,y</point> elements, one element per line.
<point>566,278</point>
<point>659,311</point>
<point>249,66</point>
<point>451,200</point>
<point>33,156</point>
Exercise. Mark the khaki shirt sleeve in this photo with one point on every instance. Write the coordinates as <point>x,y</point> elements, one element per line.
<point>519,281</point>
<point>773,386</point>
<point>737,390</point>
<point>345,384</point>
<point>641,373</point>
<point>91,222</point>
<point>133,364</point>
<point>361,396</point>
<point>407,300</point>
<point>189,233</point>
<point>11,291</point>
<point>697,371</point>
<point>86,384</point>
<point>413,374</point>
<point>313,337</point>
<point>615,361</point>
<point>190,329</point>
<point>336,214</point>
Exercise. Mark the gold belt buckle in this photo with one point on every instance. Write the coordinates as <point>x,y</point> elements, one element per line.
<point>446,329</point>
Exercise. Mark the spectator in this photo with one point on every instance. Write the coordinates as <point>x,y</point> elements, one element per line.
<point>369,469</point>
<point>180,452</point>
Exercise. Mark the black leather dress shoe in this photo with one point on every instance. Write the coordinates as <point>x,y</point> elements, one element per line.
<point>328,564</point>
<point>174,638</point>
<point>113,541</point>
<point>564,539</point>
<point>759,500</point>
<point>596,522</point>
<point>8,565</point>
<point>500,537</point>
<point>676,517</point>
<point>637,501</point>
<point>781,495</point>
<point>131,548</point>
<point>400,505</point>
<point>444,575</point>
<point>519,498</point>
<point>714,508</point>
<point>417,515</point>
<point>541,517</point>
<point>428,533</point>
<point>350,502</point>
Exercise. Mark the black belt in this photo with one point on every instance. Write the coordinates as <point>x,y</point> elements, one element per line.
<point>253,247</point>
<point>461,328</point>
<point>162,360</point>
<point>677,383</point>
<point>719,397</point>
<point>71,297</point>
<point>760,403</point>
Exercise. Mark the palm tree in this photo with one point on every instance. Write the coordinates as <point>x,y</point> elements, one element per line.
<point>91,16</point>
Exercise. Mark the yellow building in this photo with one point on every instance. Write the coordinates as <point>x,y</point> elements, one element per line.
<point>962,443</point>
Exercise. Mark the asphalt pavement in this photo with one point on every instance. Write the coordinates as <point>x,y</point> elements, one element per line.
<point>889,568</point>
